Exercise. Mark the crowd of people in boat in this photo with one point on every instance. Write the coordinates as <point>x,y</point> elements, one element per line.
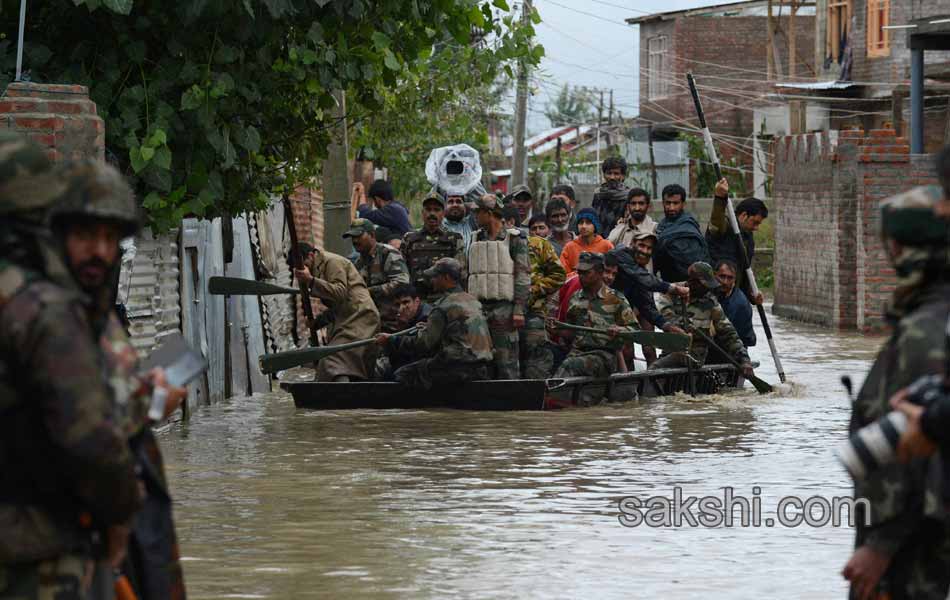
<point>494,286</point>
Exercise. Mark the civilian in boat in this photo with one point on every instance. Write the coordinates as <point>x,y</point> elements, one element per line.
<point>736,306</point>
<point>560,220</point>
<point>588,240</point>
<point>595,305</point>
<point>637,220</point>
<point>722,241</point>
<point>679,242</point>
<point>456,345</point>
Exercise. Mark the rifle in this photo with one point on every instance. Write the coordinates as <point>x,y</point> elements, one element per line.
<point>271,363</point>
<point>672,342</point>
<point>296,262</point>
<point>734,225</point>
<point>763,387</point>
<point>236,286</point>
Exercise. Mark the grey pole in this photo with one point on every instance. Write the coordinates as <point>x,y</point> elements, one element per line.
<point>19,44</point>
<point>917,101</point>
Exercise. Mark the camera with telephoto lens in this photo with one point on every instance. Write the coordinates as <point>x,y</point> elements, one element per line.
<point>875,445</point>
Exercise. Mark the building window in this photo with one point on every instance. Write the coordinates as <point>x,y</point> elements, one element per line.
<point>658,86</point>
<point>839,26</point>
<point>879,41</point>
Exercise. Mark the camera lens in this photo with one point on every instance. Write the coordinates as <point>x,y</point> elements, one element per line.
<point>454,167</point>
<point>873,446</point>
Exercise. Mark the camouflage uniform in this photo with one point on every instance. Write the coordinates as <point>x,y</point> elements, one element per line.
<point>594,354</point>
<point>909,501</point>
<point>383,270</point>
<point>65,464</point>
<point>422,248</point>
<point>456,342</point>
<point>703,313</point>
<point>547,277</point>
<point>500,312</point>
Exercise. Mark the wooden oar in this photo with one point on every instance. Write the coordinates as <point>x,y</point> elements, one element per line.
<point>763,387</point>
<point>744,263</point>
<point>235,286</point>
<point>271,363</point>
<point>671,342</point>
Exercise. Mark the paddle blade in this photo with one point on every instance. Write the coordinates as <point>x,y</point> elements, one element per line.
<point>763,387</point>
<point>272,363</point>
<point>236,286</point>
<point>671,342</point>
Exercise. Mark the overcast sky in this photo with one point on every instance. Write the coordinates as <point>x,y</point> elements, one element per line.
<point>588,43</point>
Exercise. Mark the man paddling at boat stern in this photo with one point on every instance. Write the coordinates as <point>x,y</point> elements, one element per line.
<point>456,345</point>
<point>598,306</point>
<point>702,313</point>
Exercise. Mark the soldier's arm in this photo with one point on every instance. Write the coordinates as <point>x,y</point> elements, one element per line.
<point>396,273</point>
<point>429,339</point>
<point>462,256</point>
<point>667,308</point>
<point>625,317</point>
<point>717,219</point>
<point>727,337</point>
<point>333,288</point>
<point>58,360</point>
<point>519,254</point>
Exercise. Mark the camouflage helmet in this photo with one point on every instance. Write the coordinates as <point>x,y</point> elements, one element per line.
<point>703,273</point>
<point>95,189</point>
<point>909,218</point>
<point>28,185</point>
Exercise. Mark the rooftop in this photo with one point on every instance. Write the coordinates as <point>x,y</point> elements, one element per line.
<point>749,8</point>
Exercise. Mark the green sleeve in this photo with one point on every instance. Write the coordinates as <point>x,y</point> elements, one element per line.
<point>727,337</point>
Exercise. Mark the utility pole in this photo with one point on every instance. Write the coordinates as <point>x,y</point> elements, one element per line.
<point>792,42</point>
<point>770,60</point>
<point>336,182</point>
<point>557,159</point>
<point>600,119</point>
<point>519,152</point>
<point>652,159</point>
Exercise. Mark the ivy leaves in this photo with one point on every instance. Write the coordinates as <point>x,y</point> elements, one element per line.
<point>215,107</point>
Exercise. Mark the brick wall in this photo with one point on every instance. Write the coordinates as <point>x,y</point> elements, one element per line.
<point>830,267</point>
<point>307,206</point>
<point>60,118</point>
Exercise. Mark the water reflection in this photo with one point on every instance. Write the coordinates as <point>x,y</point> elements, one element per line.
<point>277,503</point>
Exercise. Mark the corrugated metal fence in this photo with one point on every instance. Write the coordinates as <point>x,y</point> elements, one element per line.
<point>163,283</point>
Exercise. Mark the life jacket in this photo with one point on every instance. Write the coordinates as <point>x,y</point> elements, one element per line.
<point>491,270</point>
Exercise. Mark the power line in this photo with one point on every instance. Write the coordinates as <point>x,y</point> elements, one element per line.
<point>582,12</point>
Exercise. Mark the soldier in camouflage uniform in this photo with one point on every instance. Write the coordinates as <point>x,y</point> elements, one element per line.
<point>499,275</point>
<point>547,277</point>
<point>595,305</point>
<point>382,268</point>
<point>456,342</point>
<point>704,313</point>
<point>431,242</point>
<point>905,551</point>
<point>74,431</point>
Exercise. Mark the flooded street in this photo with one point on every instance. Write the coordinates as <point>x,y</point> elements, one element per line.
<point>272,502</point>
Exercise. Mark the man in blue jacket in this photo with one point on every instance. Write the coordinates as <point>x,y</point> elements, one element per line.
<point>388,212</point>
<point>680,241</point>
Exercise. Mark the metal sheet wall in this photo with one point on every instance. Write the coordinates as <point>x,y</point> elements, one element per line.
<point>148,284</point>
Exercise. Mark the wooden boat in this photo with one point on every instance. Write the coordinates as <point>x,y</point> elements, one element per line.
<point>524,394</point>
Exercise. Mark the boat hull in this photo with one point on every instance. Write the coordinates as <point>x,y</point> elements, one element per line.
<point>507,395</point>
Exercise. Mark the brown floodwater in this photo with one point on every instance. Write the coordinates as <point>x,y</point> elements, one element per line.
<point>275,502</point>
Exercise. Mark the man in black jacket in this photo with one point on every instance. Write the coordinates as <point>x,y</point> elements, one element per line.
<point>638,285</point>
<point>722,241</point>
<point>680,243</point>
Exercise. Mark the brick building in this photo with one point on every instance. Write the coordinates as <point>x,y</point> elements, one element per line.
<point>864,67</point>
<point>725,48</point>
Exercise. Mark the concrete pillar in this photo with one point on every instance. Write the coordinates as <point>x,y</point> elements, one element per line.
<point>60,118</point>
<point>917,101</point>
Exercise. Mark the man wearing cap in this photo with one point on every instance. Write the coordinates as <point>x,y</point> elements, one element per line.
<point>431,242</point>
<point>499,275</point>
<point>588,240</point>
<point>598,306</point>
<point>901,539</point>
<point>522,199</point>
<point>381,266</point>
<point>702,312</point>
<point>353,314</point>
<point>638,284</point>
<point>455,346</point>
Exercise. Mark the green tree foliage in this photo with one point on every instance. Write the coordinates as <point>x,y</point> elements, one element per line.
<point>571,107</point>
<point>215,105</point>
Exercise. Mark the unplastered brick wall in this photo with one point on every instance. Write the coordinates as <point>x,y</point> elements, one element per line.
<point>60,118</point>
<point>307,206</point>
<point>830,267</point>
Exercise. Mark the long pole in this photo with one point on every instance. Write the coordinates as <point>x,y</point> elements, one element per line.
<point>519,152</point>
<point>743,255</point>
<point>19,45</point>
